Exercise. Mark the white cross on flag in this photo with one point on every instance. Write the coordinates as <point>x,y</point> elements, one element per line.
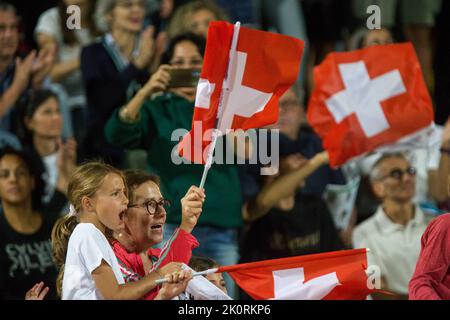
<point>244,73</point>
<point>368,98</point>
<point>329,276</point>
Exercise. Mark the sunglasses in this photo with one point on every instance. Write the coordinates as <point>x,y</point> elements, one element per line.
<point>152,206</point>
<point>398,173</point>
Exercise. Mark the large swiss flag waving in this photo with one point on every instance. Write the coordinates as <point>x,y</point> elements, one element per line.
<point>244,73</point>
<point>368,98</point>
<point>329,276</point>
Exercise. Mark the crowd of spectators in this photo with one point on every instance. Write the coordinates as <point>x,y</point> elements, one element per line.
<point>102,91</point>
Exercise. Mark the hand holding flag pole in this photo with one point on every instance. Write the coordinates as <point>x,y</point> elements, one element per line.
<point>195,274</point>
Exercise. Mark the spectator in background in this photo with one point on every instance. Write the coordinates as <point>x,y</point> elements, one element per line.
<point>28,20</point>
<point>40,132</point>
<point>52,32</point>
<point>393,233</point>
<point>149,123</point>
<point>25,228</point>
<point>113,70</point>
<point>284,222</point>
<point>17,74</point>
<point>195,17</point>
<point>300,216</point>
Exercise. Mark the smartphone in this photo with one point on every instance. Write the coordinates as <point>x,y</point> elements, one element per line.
<point>184,77</point>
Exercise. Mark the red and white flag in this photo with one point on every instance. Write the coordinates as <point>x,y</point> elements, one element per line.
<point>244,73</point>
<point>330,276</point>
<point>368,98</point>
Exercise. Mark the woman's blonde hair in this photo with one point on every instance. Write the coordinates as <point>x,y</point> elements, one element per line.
<point>84,182</point>
<point>179,23</point>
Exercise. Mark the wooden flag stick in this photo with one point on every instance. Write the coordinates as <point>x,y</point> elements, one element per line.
<point>195,274</point>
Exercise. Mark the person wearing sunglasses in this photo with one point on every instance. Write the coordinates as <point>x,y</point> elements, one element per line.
<point>144,222</point>
<point>431,280</point>
<point>393,233</point>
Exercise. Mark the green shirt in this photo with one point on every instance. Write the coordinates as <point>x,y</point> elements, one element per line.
<point>159,117</point>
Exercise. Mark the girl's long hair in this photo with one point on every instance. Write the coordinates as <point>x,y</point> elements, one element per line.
<point>61,232</point>
<point>85,182</point>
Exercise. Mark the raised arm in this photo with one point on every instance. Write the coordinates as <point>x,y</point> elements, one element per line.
<point>60,69</point>
<point>128,126</point>
<point>282,187</point>
<point>20,83</point>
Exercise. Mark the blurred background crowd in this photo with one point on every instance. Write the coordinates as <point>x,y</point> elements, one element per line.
<point>66,96</point>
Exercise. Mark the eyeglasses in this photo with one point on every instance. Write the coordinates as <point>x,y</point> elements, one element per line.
<point>153,205</point>
<point>398,173</point>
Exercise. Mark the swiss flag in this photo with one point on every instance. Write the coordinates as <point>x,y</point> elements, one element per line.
<point>368,98</point>
<point>241,81</point>
<point>329,276</point>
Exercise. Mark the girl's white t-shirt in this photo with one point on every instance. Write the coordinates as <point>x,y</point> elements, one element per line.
<point>86,249</point>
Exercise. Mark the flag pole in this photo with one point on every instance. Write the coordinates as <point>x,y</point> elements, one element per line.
<point>227,84</point>
<point>195,274</point>
<point>214,270</point>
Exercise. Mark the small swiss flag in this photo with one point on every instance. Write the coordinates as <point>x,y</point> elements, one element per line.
<point>368,98</point>
<point>244,73</point>
<point>330,276</point>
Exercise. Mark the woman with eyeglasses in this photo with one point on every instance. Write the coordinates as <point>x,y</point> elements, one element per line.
<point>113,70</point>
<point>148,122</point>
<point>144,222</point>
